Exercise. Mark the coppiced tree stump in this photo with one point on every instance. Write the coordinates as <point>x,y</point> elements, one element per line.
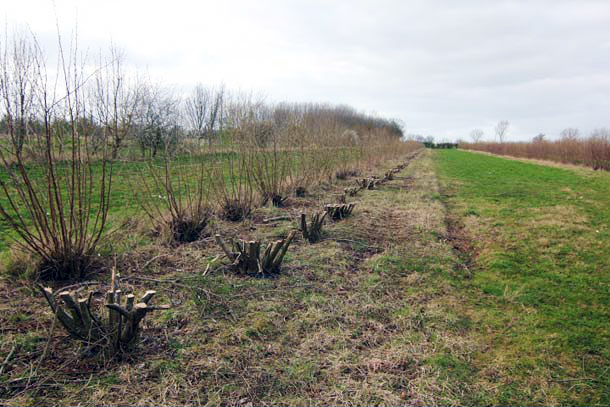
<point>352,191</point>
<point>116,331</point>
<point>247,259</point>
<point>278,200</point>
<point>300,192</point>
<point>339,211</point>
<point>367,183</point>
<point>313,232</point>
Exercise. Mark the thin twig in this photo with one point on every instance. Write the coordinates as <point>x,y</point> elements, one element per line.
<point>8,359</point>
<point>79,285</point>
<point>150,261</point>
<point>172,282</point>
<point>207,269</point>
<point>46,348</point>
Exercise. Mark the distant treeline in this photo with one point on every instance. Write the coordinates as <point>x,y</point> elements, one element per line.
<point>152,121</point>
<point>430,144</point>
<point>130,115</point>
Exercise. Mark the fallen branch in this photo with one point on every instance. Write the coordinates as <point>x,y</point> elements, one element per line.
<point>7,359</point>
<point>277,218</point>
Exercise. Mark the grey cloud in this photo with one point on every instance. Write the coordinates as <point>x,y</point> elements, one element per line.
<point>443,67</point>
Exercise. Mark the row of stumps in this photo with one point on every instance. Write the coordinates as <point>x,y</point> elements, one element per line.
<point>246,255</point>
<point>117,329</point>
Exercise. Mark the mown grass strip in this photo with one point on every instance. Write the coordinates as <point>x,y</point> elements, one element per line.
<point>541,288</point>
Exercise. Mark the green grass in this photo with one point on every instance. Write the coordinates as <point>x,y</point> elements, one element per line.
<point>541,288</point>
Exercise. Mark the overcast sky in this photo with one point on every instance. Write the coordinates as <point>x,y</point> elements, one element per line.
<point>442,67</point>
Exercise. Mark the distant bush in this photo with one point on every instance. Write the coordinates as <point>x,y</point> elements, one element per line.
<point>429,144</point>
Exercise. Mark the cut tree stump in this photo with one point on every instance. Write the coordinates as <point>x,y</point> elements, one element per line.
<point>247,259</point>
<point>313,232</point>
<point>278,201</point>
<point>351,191</point>
<point>367,183</point>
<point>339,211</point>
<point>116,331</point>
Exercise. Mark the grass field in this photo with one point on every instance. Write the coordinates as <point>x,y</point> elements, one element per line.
<point>468,279</point>
<point>540,287</point>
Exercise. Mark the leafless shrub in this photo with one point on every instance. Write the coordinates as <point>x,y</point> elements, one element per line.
<point>115,101</point>
<point>176,198</point>
<point>234,188</point>
<point>58,204</point>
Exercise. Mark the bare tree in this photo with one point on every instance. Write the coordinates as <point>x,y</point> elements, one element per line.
<point>216,110</point>
<point>476,135</point>
<point>196,109</point>
<point>157,119</point>
<point>205,112</point>
<point>539,138</point>
<point>569,133</point>
<point>114,101</point>
<point>18,82</point>
<point>502,130</point>
<point>602,133</point>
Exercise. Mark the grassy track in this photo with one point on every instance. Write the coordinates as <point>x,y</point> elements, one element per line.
<point>541,286</point>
